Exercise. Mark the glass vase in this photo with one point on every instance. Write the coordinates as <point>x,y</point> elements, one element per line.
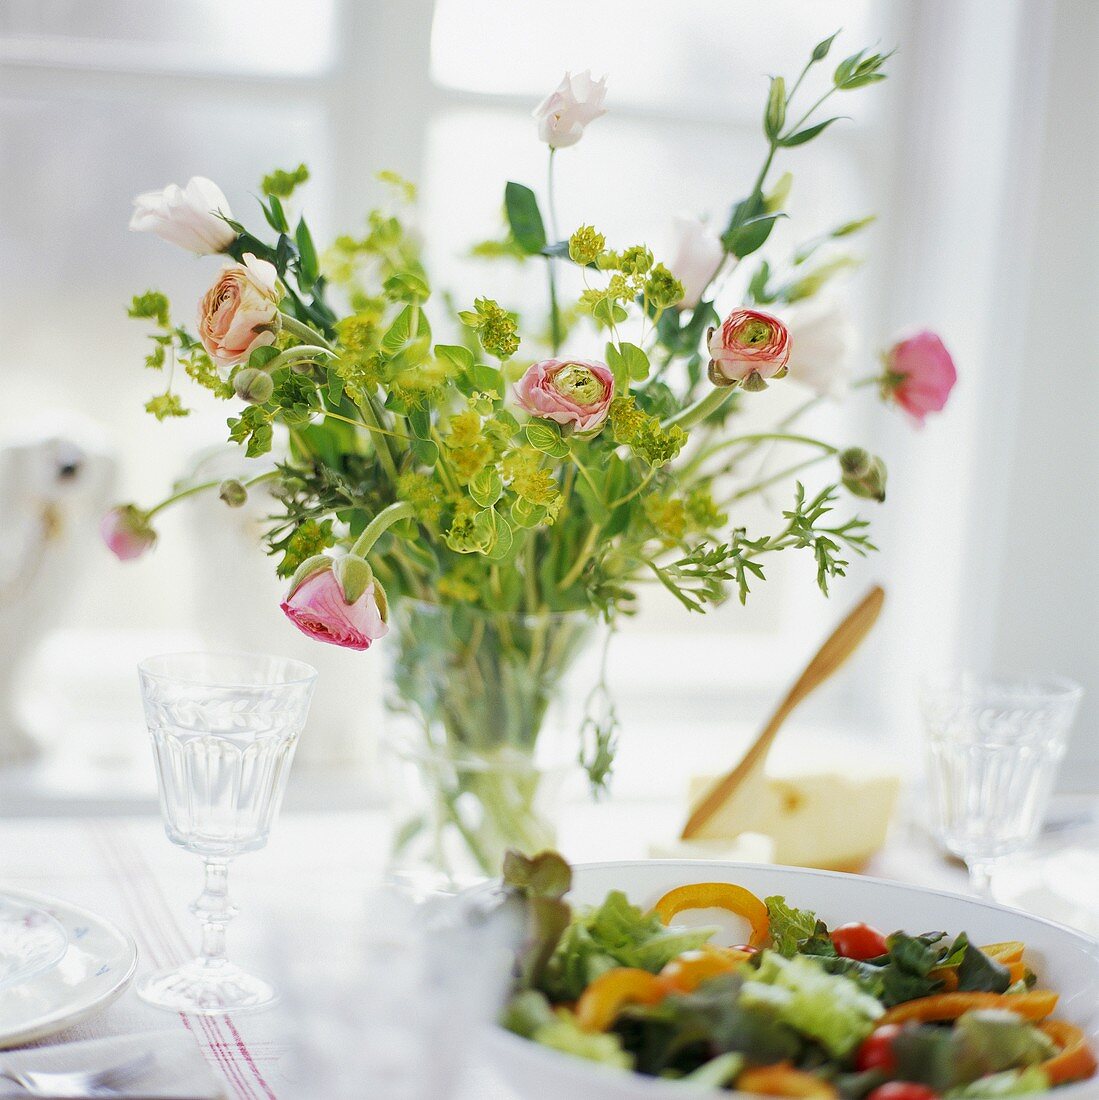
<point>485,711</point>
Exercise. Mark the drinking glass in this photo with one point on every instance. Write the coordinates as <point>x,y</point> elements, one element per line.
<point>993,748</point>
<point>224,729</point>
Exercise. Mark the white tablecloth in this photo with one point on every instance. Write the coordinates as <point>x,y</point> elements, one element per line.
<point>125,869</point>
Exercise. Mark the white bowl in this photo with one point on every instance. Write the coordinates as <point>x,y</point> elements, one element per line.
<point>1065,960</point>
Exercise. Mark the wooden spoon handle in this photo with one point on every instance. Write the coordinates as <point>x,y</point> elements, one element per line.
<point>839,645</point>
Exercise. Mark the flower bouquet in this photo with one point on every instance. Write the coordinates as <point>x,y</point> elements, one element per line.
<point>495,485</point>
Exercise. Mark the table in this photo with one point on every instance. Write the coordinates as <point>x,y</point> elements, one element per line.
<point>125,869</point>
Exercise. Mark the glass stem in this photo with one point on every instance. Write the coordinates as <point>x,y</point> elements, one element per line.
<point>214,911</point>
<point>980,876</point>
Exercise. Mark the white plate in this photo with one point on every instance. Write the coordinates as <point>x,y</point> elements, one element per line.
<point>1065,960</point>
<point>96,968</point>
<point>31,941</point>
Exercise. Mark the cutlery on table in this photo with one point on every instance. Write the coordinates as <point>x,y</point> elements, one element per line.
<point>109,1082</point>
<point>839,645</point>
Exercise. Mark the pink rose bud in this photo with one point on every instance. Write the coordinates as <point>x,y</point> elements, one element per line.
<point>240,312</point>
<point>919,375</point>
<point>564,113</point>
<point>189,216</point>
<point>127,532</point>
<point>568,391</point>
<point>750,347</point>
<point>338,601</point>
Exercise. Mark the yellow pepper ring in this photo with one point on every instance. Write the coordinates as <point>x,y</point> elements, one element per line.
<point>718,895</point>
<point>601,1002</point>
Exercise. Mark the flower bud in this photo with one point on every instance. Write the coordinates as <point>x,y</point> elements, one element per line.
<point>233,493</point>
<point>127,532</point>
<point>253,385</point>
<point>354,574</point>
<point>864,474</point>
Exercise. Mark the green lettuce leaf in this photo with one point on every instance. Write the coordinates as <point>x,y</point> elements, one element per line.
<point>830,1008</point>
<point>1013,1083</point>
<point>614,934</point>
<point>791,928</point>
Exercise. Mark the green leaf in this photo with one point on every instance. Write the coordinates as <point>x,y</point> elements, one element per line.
<point>419,420</point>
<point>308,267</point>
<point>637,362</point>
<point>505,544</point>
<point>790,927</point>
<point>460,356</point>
<point>424,451</point>
<point>486,487</point>
<point>524,217</point>
<point>275,215</point>
<point>403,286</point>
<point>810,132</point>
<point>749,226</point>
<point>774,117</point>
<point>281,183</point>
<point>546,437</point>
<point>487,379</point>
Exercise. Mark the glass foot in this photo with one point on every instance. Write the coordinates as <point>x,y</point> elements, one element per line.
<point>206,990</point>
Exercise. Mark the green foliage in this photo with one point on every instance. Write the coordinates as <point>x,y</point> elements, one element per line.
<point>281,183</point>
<point>495,327</point>
<point>165,406</point>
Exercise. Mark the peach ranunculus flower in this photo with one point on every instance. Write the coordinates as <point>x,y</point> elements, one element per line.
<point>749,347</point>
<point>189,216</point>
<point>338,601</point>
<point>564,113</point>
<point>567,391</point>
<point>240,312</point>
<point>919,375</point>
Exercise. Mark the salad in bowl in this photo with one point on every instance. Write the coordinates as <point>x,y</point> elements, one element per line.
<point>773,999</point>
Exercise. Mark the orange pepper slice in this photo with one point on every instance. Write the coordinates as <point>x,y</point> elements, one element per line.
<point>688,971</point>
<point>718,895</point>
<point>601,1002</point>
<point>1035,1005</point>
<point>783,1080</point>
<point>948,975</point>
<point>1010,951</point>
<point>1075,1061</point>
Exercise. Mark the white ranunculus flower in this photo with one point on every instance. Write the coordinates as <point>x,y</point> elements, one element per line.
<point>564,113</point>
<point>187,216</point>
<point>822,345</point>
<point>696,254</point>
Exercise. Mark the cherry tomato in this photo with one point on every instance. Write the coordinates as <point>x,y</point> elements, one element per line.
<point>876,1051</point>
<point>858,941</point>
<point>903,1090</point>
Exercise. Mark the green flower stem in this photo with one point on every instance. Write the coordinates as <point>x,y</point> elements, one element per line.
<point>782,475</point>
<point>304,332</point>
<point>639,488</point>
<point>583,471</point>
<point>297,354</point>
<point>380,524</point>
<point>385,456</point>
<point>201,488</point>
<point>692,414</point>
<point>751,440</point>
<point>551,267</point>
<point>586,551</point>
<point>328,414</point>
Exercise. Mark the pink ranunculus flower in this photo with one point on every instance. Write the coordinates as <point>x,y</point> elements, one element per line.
<point>188,216</point>
<point>328,607</point>
<point>127,532</point>
<point>568,391</point>
<point>564,113</point>
<point>748,348</point>
<point>239,313</point>
<point>919,374</point>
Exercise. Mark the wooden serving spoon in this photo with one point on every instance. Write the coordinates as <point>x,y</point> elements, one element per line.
<point>840,644</point>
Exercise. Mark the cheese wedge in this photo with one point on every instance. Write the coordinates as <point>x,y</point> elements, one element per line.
<point>817,817</point>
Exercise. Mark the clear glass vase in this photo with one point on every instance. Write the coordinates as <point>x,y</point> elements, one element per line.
<point>483,734</point>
